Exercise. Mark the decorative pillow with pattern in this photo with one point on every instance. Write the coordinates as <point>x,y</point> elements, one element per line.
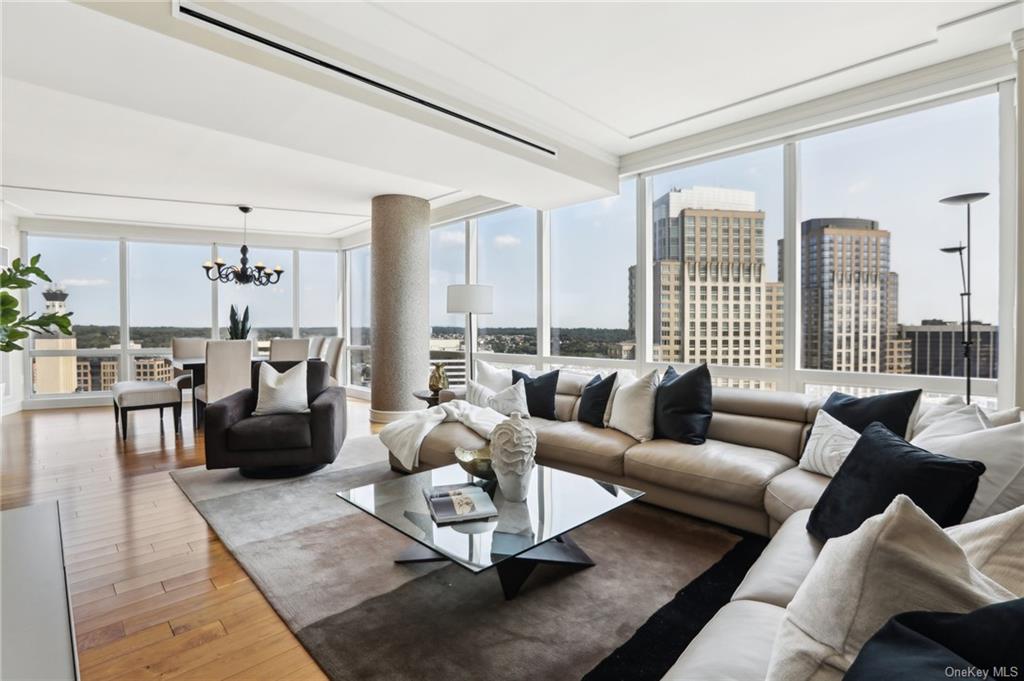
<point>828,445</point>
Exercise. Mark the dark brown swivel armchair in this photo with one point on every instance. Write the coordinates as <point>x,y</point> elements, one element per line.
<point>277,445</point>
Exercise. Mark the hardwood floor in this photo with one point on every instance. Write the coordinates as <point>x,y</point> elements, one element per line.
<point>155,595</point>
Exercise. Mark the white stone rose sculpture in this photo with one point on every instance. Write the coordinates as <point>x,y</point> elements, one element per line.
<point>513,446</point>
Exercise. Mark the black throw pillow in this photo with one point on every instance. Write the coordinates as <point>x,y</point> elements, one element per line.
<point>595,400</point>
<point>682,406</point>
<point>928,645</point>
<point>540,392</point>
<point>883,465</point>
<point>892,410</point>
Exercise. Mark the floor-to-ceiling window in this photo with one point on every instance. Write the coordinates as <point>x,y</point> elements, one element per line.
<point>360,340</point>
<point>86,283</point>
<point>167,296</point>
<point>878,294</point>
<point>593,253</point>
<point>447,267</point>
<point>507,260</point>
<point>318,293</point>
<point>716,272</point>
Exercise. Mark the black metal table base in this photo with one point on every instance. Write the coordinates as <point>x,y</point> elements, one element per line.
<point>513,572</point>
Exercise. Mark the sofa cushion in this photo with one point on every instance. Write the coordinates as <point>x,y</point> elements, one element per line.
<point>782,566</point>
<point>580,444</point>
<point>540,392</point>
<point>735,645</point>
<point>273,431</point>
<point>792,491</point>
<point>594,401</point>
<point>720,470</point>
<point>682,405</point>
<point>882,466</point>
<point>438,447</point>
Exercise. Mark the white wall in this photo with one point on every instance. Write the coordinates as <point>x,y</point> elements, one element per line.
<point>12,365</point>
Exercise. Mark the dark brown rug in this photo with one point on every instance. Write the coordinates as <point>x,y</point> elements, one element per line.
<point>327,568</point>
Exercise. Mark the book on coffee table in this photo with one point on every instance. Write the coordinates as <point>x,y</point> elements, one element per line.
<point>459,503</point>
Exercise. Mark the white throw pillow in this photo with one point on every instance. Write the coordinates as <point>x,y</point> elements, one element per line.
<point>1004,417</point>
<point>1001,487</point>
<point>492,377</point>
<point>897,561</point>
<point>477,394</point>
<point>282,393</point>
<point>929,413</point>
<point>621,379</point>
<point>633,410</point>
<point>995,545</point>
<point>828,445</point>
<point>511,399</point>
<point>966,419</point>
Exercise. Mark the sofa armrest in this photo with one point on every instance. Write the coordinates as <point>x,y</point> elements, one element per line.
<point>327,421</point>
<point>449,394</point>
<point>220,416</point>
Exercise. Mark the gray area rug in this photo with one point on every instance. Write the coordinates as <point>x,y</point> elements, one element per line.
<point>328,570</point>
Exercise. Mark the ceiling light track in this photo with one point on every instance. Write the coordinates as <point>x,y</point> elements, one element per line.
<point>316,61</point>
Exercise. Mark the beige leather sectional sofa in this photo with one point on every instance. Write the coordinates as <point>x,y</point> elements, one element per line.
<point>744,475</point>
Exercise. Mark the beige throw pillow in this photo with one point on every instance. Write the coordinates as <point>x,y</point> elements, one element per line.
<point>633,409</point>
<point>282,392</point>
<point>828,445</point>
<point>897,561</point>
<point>995,545</point>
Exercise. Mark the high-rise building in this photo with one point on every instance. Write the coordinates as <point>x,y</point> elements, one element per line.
<point>54,374</point>
<point>708,277</point>
<point>848,295</point>
<point>773,324</point>
<point>936,349</point>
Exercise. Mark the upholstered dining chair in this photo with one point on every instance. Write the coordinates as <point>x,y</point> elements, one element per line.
<point>333,347</point>
<point>228,368</point>
<point>316,347</point>
<point>187,348</point>
<point>289,349</point>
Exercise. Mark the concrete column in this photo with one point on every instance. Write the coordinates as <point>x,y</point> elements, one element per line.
<point>400,304</point>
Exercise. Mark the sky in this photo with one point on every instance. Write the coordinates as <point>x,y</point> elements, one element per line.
<point>893,171</point>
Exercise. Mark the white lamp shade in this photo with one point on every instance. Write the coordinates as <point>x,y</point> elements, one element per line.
<point>471,298</point>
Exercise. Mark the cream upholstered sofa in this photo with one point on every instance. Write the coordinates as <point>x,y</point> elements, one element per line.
<point>736,644</point>
<point>744,475</point>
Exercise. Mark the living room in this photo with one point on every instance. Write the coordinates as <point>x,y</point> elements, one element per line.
<point>512,340</point>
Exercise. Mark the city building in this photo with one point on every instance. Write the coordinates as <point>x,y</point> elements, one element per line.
<point>773,324</point>
<point>709,277</point>
<point>152,369</point>
<point>848,295</point>
<point>899,354</point>
<point>936,348</point>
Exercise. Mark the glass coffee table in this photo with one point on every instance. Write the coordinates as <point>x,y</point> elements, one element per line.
<point>523,534</point>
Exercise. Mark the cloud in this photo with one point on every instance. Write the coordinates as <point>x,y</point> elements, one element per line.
<point>84,282</point>
<point>506,241</point>
<point>452,237</point>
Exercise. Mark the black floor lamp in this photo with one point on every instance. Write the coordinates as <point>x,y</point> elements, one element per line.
<point>965,275</point>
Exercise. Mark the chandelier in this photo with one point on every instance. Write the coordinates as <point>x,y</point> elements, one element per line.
<point>242,273</point>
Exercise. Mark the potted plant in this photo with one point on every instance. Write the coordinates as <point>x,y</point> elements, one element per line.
<point>15,326</point>
<point>238,329</point>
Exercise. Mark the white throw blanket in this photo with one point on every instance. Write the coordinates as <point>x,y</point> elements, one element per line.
<point>404,437</point>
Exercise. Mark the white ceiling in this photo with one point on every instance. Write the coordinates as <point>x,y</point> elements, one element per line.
<point>121,112</point>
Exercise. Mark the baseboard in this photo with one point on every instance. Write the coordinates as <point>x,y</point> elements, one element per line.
<point>382,416</point>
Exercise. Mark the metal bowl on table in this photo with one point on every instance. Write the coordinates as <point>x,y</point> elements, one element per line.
<point>476,462</point>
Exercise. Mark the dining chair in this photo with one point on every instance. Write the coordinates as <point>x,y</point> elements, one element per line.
<point>187,348</point>
<point>333,346</point>
<point>316,347</point>
<point>228,369</point>
<point>289,349</point>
